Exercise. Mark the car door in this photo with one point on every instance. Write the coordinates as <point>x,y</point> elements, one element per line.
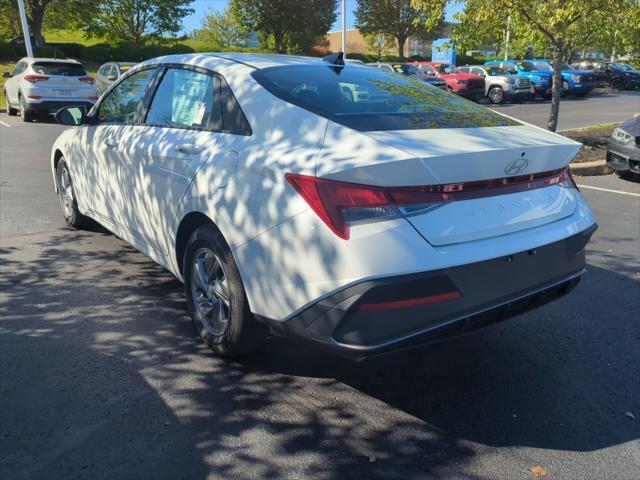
<point>106,138</point>
<point>12,85</point>
<point>179,135</point>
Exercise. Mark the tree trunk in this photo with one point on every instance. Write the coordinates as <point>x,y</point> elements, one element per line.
<point>556,88</point>
<point>279,41</point>
<point>401,41</point>
<point>37,16</point>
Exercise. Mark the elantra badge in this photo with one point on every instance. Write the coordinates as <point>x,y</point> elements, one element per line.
<point>517,166</point>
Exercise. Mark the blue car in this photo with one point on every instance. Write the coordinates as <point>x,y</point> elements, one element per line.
<point>540,79</point>
<point>574,82</point>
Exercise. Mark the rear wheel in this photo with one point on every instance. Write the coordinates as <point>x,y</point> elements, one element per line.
<point>215,295</point>
<point>12,112</point>
<point>496,95</point>
<point>26,114</point>
<point>67,197</point>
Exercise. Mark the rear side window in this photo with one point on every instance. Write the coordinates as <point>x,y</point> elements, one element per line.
<point>368,99</point>
<point>59,68</point>
<point>123,102</point>
<point>184,98</point>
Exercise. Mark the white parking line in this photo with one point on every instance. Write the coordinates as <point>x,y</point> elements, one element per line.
<point>5,124</point>
<point>600,189</point>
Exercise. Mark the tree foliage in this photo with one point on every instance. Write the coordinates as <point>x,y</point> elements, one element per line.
<point>379,43</point>
<point>286,25</point>
<point>138,21</point>
<point>554,27</point>
<point>223,30</point>
<point>400,19</point>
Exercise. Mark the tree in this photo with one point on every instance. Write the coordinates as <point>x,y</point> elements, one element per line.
<point>44,13</point>
<point>379,42</point>
<point>223,29</point>
<point>286,25</point>
<point>399,18</point>
<point>554,25</point>
<point>138,21</point>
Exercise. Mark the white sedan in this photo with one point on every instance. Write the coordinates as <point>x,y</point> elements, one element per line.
<point>361,210</point>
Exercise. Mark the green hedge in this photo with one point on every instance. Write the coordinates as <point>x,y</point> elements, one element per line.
<point>99,53</point>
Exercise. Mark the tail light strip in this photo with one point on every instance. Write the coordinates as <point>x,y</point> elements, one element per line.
<point>336,203</point>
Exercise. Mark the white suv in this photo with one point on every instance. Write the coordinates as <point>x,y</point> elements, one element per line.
<point>46,85</point>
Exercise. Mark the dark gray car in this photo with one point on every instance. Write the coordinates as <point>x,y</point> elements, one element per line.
<point>110,72</point>
<point>623,151</point>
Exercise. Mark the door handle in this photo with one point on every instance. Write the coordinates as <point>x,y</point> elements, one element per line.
<point>189,149</point>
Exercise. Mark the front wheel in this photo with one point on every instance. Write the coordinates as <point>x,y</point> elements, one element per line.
<point>12,112</point>
<point>496,95</point>
<point>216,298</point>
<point>617,84</point>
<point>67,197</point>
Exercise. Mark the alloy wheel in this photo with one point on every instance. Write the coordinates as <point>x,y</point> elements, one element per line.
<point>210,292</point>
<point>65,192</point>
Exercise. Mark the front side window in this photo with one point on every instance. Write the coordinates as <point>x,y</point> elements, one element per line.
<point>526,66</point>
<point>184,98</point>
<point>380,102</point>
<point>445,68</point>
<point>124,101</point>
<point>493,71</point>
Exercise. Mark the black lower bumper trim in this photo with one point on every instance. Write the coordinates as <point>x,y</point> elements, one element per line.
<point>54,106</point>
<point>487,292</point>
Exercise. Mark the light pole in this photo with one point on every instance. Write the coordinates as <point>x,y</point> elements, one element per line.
<point>25,28</point>
<point>344,28</point>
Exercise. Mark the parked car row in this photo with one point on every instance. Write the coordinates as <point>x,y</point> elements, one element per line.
<point>508,80</point>
<point>44,85</point>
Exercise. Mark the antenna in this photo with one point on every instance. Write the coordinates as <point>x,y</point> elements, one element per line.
<point>335,59</point>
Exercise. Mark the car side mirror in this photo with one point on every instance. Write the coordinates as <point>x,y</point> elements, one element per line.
<point>72,116</point>
<point>6,75</point>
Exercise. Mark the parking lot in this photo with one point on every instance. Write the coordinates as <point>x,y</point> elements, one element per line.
<point>103,377</point>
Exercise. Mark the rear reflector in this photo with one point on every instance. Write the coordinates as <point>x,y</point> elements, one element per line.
<point>34,97</point>
<point>338,204</point>
<point>411,302</point>
<point>89,80</point>
<point>93,99</point>
<point>35,78</point>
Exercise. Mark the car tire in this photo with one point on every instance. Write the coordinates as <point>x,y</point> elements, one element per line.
<point>26,114</point>
<point>496,95</point>
<point>67,197</point>
<point>617,84</point>
<point>216,299</point>
<point>12,112</point>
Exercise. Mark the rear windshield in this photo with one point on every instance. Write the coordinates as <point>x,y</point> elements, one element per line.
<point>59,68</point>
<point>368,99</point>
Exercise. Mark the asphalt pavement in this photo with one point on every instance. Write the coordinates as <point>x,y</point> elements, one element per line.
<point>600,106</point>
<point>102,377</point>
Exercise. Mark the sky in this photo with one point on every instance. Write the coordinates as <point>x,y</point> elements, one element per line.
<point>202,6</point>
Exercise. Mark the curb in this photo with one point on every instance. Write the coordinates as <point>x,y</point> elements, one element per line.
<point>587,169</point>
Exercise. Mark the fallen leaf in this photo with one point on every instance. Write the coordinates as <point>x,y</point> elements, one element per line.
<point>538,471</point>
<point>372,459</point>
<point>630,415</point>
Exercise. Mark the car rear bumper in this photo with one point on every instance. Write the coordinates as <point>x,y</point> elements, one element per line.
<point>387,314</point>
<point>53,106</point>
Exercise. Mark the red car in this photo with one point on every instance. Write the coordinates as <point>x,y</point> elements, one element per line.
<point>464,84</point>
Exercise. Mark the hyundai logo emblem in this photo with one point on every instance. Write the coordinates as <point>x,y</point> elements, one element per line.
<point>517,166</point>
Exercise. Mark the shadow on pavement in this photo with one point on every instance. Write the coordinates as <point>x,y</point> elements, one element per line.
<point>103,378</point>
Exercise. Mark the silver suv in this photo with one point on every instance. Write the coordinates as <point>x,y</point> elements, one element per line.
<point>46,85</point>
<point>500,85</point>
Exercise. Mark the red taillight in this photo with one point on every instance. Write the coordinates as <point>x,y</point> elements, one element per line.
<point>35,78</point>
<point>340,203</point>
<point>88,80</point>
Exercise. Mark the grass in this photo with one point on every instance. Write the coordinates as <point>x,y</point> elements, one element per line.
<point>70,36</point>
<point>598,126</point>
